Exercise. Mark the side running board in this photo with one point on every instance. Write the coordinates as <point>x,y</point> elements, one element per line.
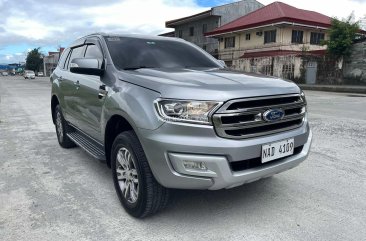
<point>88,144</point>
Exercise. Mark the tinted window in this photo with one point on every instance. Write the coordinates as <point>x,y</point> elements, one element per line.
<point>77,53</point>
<point>93,51</point>
<point>61,62</point>
<point>134,52</point>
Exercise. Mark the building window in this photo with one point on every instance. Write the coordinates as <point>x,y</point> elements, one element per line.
<point>316,38</point>
<point>288,71</point>
<point>247,36</point>
<point>230,42</point>
<point>270,36</point>
<point>204,28</point>
<point>180,33</point>
<point>191,31</point>
<point>297,36</point>
<point>204,47</point>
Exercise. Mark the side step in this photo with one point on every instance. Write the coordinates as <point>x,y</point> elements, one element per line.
<point>89,145</point>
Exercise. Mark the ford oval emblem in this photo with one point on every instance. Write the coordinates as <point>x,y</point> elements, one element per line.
<point>273,115</point>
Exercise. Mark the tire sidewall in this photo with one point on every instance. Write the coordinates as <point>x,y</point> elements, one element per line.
<point>58,110</point>
<point>136,208</point>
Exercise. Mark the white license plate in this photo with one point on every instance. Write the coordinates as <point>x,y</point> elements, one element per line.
<point>276,150</point>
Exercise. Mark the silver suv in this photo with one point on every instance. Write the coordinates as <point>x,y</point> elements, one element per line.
<point>162,113</point>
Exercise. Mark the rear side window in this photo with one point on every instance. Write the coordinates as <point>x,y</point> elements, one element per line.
<point>77,52</point>
<point>62,60</point>
<point>93,51</point>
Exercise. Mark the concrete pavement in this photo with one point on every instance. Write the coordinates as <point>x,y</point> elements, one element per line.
<point>49,193</point>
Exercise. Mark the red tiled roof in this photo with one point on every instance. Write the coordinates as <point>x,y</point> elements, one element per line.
<point>273,53</point>
<point>274,13</point>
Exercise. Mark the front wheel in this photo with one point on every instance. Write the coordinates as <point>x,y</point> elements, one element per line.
<point>138,191</point>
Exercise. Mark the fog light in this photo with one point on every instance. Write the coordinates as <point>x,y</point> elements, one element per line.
<point>194,165</point>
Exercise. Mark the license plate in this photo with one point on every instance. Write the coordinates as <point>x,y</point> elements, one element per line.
<point>276,150</point>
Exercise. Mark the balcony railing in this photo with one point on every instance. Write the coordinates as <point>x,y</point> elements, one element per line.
<point>236,53</point>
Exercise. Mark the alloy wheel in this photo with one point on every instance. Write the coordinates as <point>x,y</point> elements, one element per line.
<point>127,175</point>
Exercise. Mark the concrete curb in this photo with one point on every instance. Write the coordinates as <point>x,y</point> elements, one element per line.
<point>335,88</point>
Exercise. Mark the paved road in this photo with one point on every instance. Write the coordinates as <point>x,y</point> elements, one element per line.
<point>48,193</point>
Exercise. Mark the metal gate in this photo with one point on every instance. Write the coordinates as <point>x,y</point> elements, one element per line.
<point>311,71</point>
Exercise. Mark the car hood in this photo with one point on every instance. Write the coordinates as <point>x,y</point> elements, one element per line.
<point>208,84</point>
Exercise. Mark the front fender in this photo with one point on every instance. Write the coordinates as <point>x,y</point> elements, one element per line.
<point>134,103</point>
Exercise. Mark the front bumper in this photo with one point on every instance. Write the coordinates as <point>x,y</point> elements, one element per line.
<point>168,146</point>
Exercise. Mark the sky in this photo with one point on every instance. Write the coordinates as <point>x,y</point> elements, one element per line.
<point>49,24</point>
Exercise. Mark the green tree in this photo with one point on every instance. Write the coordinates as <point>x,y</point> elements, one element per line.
<point>34,60</point>
<point>341,36</point>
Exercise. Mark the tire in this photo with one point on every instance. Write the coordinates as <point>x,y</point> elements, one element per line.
<point>151,196</point>
<point>61,129</point>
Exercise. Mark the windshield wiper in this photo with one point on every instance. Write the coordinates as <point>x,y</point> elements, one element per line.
<point>137,67</point>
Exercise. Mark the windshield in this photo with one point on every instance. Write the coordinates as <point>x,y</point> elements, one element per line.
<point>134,53</point>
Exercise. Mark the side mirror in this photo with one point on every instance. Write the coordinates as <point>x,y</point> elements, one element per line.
<point>86,66</point>
<point>222,63</point>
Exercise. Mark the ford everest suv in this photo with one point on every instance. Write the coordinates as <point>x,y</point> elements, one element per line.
<point>162,113</point>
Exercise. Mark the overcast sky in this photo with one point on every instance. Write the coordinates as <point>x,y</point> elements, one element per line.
<point>26,24</point>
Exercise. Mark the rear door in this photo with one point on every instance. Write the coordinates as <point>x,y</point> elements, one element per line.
<point>65,86</point>
<point>70,87</point>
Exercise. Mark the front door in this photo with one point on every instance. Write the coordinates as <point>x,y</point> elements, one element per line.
<point>311,71</point>
<point>89,102</point>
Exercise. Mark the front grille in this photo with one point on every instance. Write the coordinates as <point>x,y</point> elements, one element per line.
<point>239,119</point>
<point>257,162</point>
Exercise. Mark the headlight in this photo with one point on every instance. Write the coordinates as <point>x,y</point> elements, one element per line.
<point>189,111</point>
<point>302,95</point>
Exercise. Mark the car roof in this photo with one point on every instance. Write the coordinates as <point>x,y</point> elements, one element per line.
<point>81,41</point>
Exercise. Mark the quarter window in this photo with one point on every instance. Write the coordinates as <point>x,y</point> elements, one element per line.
<point>230,42</point>
<point>316,38</point>
<point>270,36</point>
<point>297,36</point>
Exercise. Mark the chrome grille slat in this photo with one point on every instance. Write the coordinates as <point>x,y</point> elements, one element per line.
<point>224,108</point>
<point>260,123</point>
<point>256,109</point>
<point>241,123</point>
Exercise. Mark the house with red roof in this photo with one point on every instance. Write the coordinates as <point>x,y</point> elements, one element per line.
<point>272,39</point>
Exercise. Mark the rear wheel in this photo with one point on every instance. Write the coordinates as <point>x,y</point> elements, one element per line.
<point>138,191</point>
<point>61,129</point>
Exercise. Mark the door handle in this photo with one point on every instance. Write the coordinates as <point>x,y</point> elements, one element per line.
<point>77,84</point>
<point>102,91</point>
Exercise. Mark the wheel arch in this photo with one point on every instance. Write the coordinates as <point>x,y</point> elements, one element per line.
<point>115,125</point>
<point>54,103</point>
